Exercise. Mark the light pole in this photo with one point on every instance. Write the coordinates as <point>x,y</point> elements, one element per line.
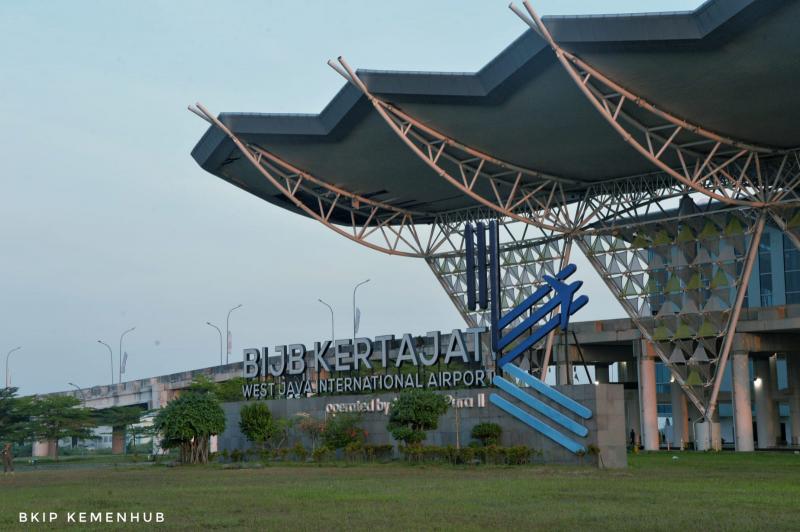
<point>111,358</point>
<point>354,305</point>
<point>79,390</point>
<point>220,340</point>
<point>331,309</point>
<point>121,336</point>
<point>8,375</point>
<point>228,330</point>
<point>83,398</point>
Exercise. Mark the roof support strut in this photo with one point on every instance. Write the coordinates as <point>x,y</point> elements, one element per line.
<point>373,224</point>
<point>722,168</point>
<point>522,194</point>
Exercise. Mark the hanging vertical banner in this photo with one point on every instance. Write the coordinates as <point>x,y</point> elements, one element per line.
<point>470,264</point>
<point>230,343</point>
<point>357,320</point>
<point>483,292</point>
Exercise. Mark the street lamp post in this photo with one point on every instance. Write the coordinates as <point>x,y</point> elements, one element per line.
<point>354,305</point>
<point>220,340</point>
<point>228,330</point>
<point>8,375</point>
<point>83,397</point>
<point>111,358</point>
<point>331,309</point>
<point>121,336</point>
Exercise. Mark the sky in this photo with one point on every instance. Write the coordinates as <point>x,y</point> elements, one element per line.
<point>107,223</point>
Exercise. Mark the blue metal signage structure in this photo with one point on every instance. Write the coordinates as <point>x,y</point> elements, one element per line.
<point>522,336</point>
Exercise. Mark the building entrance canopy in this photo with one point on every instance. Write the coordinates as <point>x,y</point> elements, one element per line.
<point>585,130</point>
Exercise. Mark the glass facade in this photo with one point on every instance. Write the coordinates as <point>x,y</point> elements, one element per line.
<point>765,269</point>
<point>663,377</point>
<point>791,270</point>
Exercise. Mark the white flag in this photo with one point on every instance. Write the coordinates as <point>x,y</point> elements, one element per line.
<point>357,320</point>
<point>230,343</point>
<point>124,361</point>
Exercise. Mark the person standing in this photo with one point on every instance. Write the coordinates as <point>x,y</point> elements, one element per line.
<point>8,456</point>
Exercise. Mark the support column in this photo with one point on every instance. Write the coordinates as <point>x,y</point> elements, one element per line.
<point>41,449</point>
<point>793,366</point>
<point>680,416</point>
<point>766,413</point>
<point>118,441</point>
<point>648,398</point>
<point>562,368</point>
<point>742,407</point>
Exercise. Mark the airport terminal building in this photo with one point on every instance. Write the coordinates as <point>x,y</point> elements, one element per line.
<point>662,147</point>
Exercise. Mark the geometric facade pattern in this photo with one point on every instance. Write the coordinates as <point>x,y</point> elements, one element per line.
<point>523,265</point>
<point>678,280</point>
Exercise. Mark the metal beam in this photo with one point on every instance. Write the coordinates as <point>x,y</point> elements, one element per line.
<point>752,255</point>
<point>725,169</point>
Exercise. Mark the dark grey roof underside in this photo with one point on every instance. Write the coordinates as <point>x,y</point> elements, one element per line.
<point>730,66</point>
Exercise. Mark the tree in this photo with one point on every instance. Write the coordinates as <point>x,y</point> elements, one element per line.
<point>231,390</point>
<point>187,423</point>
<point>119,418</point>
<point>58,416</point>
<point>255,422</point>
<point>342,430</point>
<point>311,427</point>
<point>487,433</point>
<point>226,391</point>
<point>14,415</point>
<point>414,412</point>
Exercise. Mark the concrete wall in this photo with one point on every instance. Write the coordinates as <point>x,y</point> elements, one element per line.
<point>606,427</point>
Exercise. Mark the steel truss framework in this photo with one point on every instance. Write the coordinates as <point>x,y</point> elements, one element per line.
<point>684,291</point>
<point>523,263</point>
<point>682,281</point>
<point>551,203</point>
<point>377,225</point>
<point>725,169</point>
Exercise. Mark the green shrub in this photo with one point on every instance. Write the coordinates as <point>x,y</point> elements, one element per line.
<point>236,455</point>
<point>487,433</point>
<point>311,427</point>
<point>321,454</point>
<point>467,455</point>
<point>300,453</point>
<point>343,429</point>
<point>413,452</point>
<point>495,454</point>
<point>256,423</point>
<point>518,455</point>
<point>378,452</point>
<point>413,412</point>
<point>354,451</point>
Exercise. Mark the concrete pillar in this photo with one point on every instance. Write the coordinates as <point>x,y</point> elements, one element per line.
<point>742,407</point>
<point>601,373</point>
<point>680,416</point>
<point>793,367</point>
<point>649,400</point>
<point>716,432</point>
<point>40,449</point>
<point>118,441</point>
<point>766,411</point>
<point>562,368</point>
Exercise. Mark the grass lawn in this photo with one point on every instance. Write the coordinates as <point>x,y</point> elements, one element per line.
<point>697,491</point>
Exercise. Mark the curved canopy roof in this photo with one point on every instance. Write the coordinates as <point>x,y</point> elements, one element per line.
<point>730,66</point>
